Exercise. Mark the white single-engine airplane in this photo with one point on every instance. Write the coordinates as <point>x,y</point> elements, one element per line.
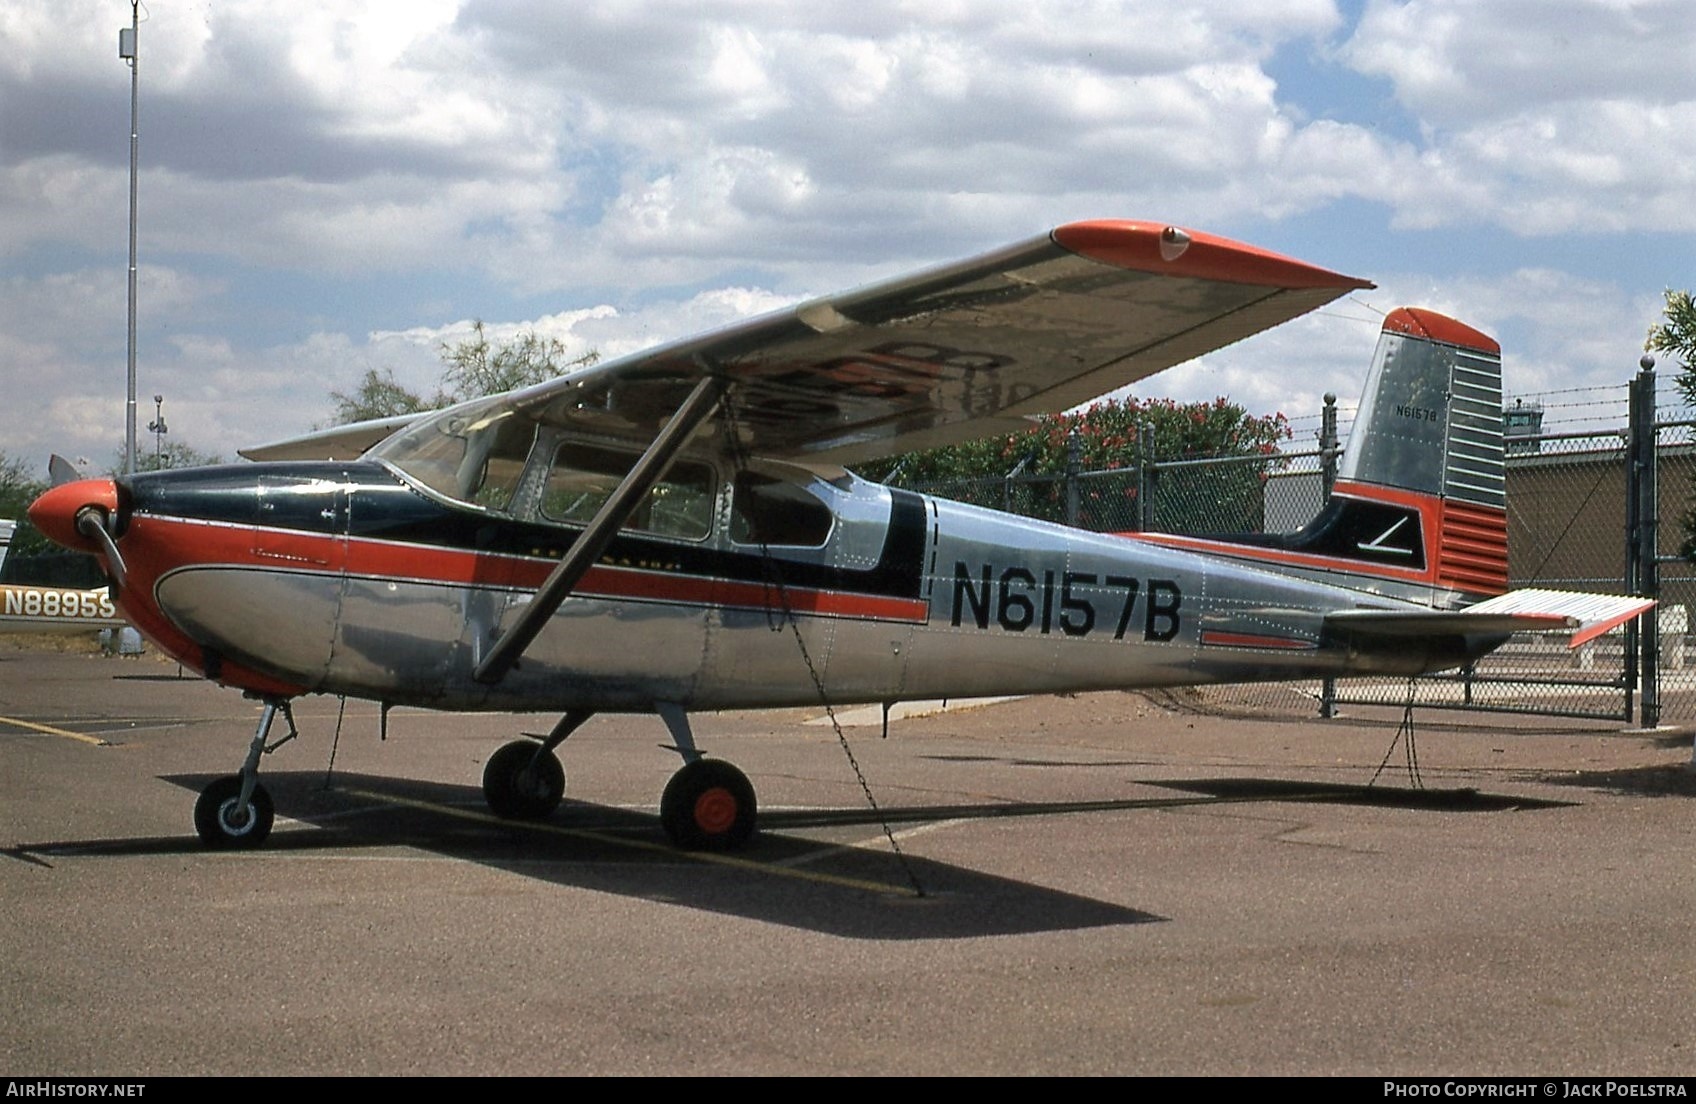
<point>627,537</point>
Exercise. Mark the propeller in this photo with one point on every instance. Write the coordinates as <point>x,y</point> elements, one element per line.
<point>61,470</point>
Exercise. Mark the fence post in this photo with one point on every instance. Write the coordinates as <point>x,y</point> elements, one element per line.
<point>1327,481</point>
<point>1328,450</point>
<point>1145,475</point>
<point>1007,482</point>
<point>1074,464</point>
<point>1645,493</point>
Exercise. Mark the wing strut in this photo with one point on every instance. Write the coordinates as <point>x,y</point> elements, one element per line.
<point>593,541</point>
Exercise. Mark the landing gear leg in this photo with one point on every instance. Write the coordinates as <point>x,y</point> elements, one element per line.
<point>235,811</point>
<point>708,805</point>
<point>524,780</point>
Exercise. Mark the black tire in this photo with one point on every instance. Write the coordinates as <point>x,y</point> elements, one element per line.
<point>708,806</point>
<point>224,826</point>
<point>515,790</point>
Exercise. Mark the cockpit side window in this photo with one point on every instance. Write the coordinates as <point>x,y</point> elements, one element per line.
<point>474,454</point>
<point>770,511</point>
<point>583,476</point>
<point>493,462</point>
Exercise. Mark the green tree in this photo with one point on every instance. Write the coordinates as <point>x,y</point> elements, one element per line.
<point>471,368</point>
<point>170,455</point>
<point>1675,333</point>
<point>475,368</point>
<point>17,490</point>
<point>1111,435</point>
<point>380,395</point>
<point>1108,433</point>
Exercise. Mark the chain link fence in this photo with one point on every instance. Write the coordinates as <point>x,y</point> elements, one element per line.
<point>1226,494</point>
<point>1675,452</point>
<point>1570,526</point>
<point>1566,501</point>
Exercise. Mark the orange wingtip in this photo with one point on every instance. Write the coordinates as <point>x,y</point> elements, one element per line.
<point>1175,251</point>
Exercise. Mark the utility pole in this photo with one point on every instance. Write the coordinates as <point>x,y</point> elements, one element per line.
<point>127,51</point>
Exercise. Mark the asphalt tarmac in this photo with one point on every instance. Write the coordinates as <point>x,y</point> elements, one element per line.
<point>1105,884</point>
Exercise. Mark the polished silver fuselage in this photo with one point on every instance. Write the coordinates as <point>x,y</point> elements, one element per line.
<point>908,597</point>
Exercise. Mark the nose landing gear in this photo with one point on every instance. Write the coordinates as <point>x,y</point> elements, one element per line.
<point>235,811</point>
<point>225,819</point>
<point>524,780</point>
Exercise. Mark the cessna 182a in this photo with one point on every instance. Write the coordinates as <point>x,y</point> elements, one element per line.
<point>627,538</point>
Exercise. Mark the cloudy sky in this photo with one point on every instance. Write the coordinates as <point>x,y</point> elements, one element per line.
<point>339,185</point>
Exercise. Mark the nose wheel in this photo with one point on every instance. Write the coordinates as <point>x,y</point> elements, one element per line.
<point>708,806</point>
<point>224,821</point>
<point>235,811</point>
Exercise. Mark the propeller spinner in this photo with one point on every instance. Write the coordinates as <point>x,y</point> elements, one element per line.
<point>82,515</point>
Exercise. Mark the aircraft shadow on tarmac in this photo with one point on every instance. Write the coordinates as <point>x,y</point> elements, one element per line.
<point>1658,780</point>
<point>1464,800</point>
<point>821,884</point>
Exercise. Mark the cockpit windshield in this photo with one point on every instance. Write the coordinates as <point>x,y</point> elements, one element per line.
<point>473,453</point>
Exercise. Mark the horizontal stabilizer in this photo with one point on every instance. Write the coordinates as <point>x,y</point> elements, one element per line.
<point>1594,613</point>
<point>1586,616</point>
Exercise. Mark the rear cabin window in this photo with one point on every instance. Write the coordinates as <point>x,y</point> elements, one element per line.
<point>769,511</point>
<point>583,476</point>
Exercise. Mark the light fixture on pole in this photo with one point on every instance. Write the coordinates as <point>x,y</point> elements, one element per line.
<point>158,428</point>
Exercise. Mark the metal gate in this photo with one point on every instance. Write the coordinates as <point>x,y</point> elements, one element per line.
<point>1568,520</point>
<point>1584,513</point>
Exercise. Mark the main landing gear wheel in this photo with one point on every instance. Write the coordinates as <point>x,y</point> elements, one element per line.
<point>708,806</point>
<point>224,822</point>
<point>520,786</point>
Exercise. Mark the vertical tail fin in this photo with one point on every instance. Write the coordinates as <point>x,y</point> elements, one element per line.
<point>1428,437</point>
<point>1419,510</point>
<point>1430,418</point>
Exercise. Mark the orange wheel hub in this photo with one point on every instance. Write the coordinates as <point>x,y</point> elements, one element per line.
<point>715,810</point>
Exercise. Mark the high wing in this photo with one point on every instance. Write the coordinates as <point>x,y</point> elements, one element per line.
<point>960,351</point>
<point>950,354</point>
